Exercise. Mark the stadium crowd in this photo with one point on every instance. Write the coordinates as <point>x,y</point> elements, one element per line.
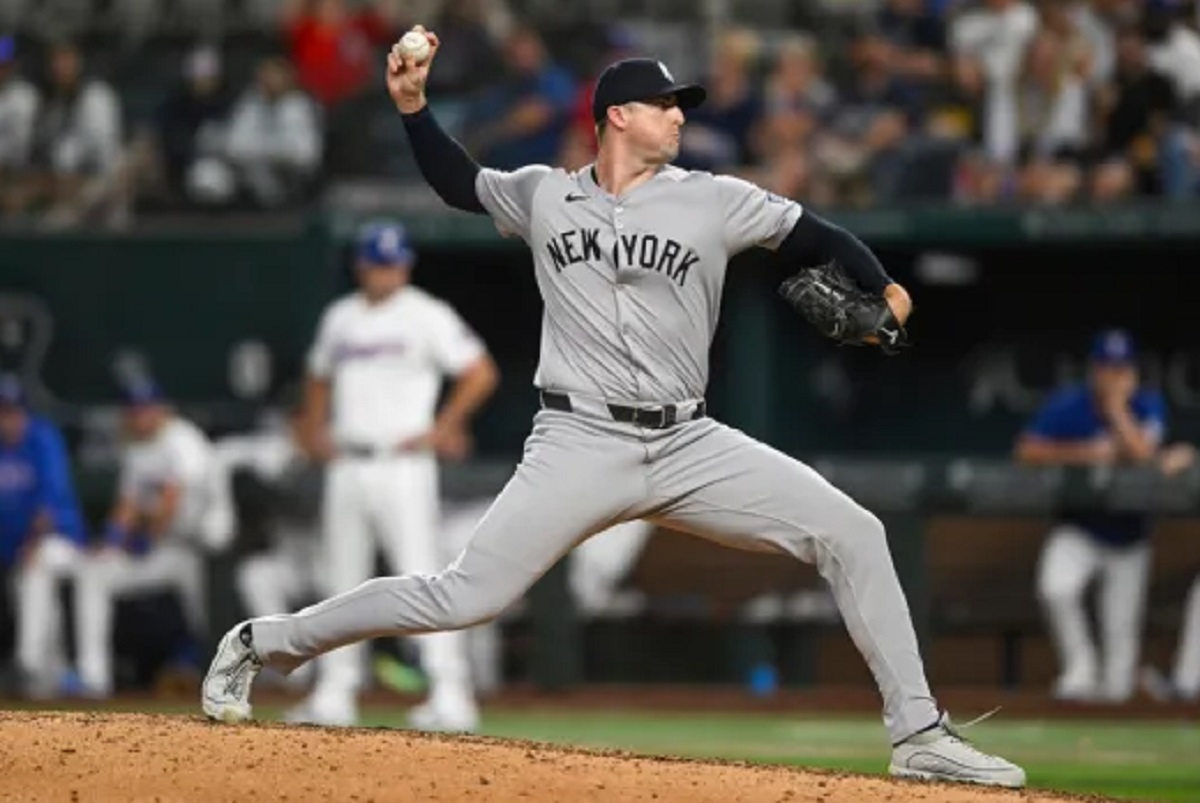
<point>150,105</point>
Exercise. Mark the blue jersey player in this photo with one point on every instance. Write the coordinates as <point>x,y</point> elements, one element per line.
<point>1109,419</point>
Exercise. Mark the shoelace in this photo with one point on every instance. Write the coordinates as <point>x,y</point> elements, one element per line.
<point>955,731</point>
<point>240,675</point>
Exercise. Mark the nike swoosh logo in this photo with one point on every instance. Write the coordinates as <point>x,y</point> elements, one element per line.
<point>574,197</point>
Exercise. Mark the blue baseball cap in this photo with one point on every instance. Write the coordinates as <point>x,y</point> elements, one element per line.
<point>11,391</point>
<point>385,244</point>
<point>144,392</point>
<point>1113,347</point>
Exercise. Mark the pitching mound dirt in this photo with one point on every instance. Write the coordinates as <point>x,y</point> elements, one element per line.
<point>136,757</point>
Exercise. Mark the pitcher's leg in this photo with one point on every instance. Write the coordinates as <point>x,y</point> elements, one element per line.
<point>731,489</point>
<point>571,482</point>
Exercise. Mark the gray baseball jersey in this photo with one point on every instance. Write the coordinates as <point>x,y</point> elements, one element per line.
<point>631,285</point>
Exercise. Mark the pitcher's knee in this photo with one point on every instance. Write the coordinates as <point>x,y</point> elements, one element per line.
<point>467,605</point>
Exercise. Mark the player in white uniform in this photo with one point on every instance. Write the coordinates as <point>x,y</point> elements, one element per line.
<point>375,372</point>
<point>168,511</point>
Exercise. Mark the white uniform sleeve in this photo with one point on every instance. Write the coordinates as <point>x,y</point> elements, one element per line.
<point>189,459</point>
<point>320,356</point>
<point>752,216</point>
<point>127,484</point>
<point>508,197</point>
<point>453,343</point>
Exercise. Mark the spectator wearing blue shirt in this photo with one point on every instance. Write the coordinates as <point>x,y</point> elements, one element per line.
<point>524,120</point>
<point>41,532</point>
<point>1109,420</point>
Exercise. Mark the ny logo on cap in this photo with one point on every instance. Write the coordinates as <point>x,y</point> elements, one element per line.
<point>666,72</point>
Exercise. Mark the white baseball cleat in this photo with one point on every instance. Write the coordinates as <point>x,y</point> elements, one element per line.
<point>941,754</point>
<point>225,693</point>
<point>445,716</point>
<point>334,711</point>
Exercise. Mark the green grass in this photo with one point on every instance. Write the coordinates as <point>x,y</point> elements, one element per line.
<point>1150,761</point>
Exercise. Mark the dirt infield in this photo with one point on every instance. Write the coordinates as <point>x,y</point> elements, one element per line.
<point>88,758</point>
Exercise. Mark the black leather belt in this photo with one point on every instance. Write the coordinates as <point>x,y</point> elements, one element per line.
<point>364,451</point>
<point>649,417</point>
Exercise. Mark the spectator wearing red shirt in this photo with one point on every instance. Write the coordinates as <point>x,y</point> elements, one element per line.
<point>336,50</point>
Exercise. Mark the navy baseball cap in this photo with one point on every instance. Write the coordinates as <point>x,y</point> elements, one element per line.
<point>137,394</point>
<point>628,80</point>
<point>1113,347</point>
<point>11,392</point>
<point>384,244</point>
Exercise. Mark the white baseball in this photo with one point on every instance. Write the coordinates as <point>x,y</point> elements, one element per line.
<point>414,45</point>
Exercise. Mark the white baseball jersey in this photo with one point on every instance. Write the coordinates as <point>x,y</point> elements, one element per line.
<point>386,362</point>
<point>181,454</point>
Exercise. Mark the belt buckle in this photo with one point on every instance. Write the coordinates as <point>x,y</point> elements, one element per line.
<point>655,417</point>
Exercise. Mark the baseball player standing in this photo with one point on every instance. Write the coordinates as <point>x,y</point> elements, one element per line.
<point>1108,420</point>
<point>41,531</point>
<point>169,509</point>
<point>375,371</point>
<point>630,256</point>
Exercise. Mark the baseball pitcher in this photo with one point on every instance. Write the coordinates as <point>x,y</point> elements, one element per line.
<point>630,255</point>
<point>41,531</point>
<point>375,371</point>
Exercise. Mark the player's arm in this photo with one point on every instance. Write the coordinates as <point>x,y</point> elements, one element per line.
<point>314,430</point>
<point>814,240</point>
<point>156,521</point>
<point>55,491</point>
<point>473,386</point>
<point>444,163</point>
<point>1035,450</point>
<point>1046,441</point>
<point>751,217</point>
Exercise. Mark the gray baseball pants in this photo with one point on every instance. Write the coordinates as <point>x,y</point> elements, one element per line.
<point>581,474</point>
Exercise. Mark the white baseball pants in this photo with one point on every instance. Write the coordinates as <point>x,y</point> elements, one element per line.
<point>39,636</point>
<point>391,502</point>
<point>1070,561</point>
<point>110,574</point>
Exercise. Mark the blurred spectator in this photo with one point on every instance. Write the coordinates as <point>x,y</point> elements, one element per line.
<point>1052,105</point>
<point>41,531</point>
<point>580,145</point>
<point>523,119</point>
<point>989,49</point>
<point>192,126</point>
<point>797,102</point>
<point>1174,52</point>
<point>917,34</point>
<point>338,51</point>
<point>862,151</point>
<point>77,144</point>
<point>1139,147</point>
<point>1183,681</point>
<point>275,139</point>
<point>18,112</point>
<point>718,132</point>
<point>469,57</point>
<point>167,511</point>
<point>1110,420</point>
